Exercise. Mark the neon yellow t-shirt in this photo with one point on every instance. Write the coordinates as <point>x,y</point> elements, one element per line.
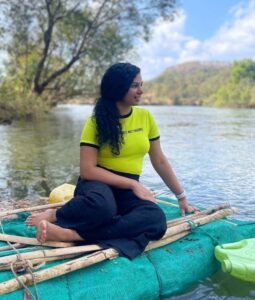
<point>139,128</point>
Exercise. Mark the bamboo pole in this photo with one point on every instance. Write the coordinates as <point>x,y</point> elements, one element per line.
<point>32,241</point>
<point>8,247</point>
<point>200,221</point>
<point>20,265</point>
<point>29,209</point>
<point>44,198</point>
<point>198,214</point>
<point>166,203</point>
<point>165,241</point>
<point>27,279</point>
<point>46,255</point>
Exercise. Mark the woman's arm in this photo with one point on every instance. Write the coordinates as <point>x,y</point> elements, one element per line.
<point>90,171</point>
<point>165,171</point>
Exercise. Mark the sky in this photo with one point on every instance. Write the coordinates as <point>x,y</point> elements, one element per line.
<point>204,30</point>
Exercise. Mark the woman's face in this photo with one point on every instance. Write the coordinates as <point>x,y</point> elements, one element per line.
<point>133,96</point>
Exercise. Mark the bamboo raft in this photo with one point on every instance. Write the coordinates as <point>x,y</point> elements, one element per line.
<point>194,238</point>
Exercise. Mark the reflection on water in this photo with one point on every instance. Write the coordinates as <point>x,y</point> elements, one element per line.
<point>211,150</point>
<point>220,286</point>
<point>37,156</point>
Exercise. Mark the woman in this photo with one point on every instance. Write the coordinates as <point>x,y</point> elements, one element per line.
<point>110,206</point>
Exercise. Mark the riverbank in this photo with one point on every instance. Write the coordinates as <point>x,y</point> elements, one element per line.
<point>6,117</point>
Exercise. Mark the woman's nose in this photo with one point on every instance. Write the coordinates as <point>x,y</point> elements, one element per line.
<point>140,90</point>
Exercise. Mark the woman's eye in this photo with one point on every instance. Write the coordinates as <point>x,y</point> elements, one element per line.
<point>136,85</point>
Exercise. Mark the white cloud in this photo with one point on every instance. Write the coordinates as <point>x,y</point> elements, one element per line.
<point>235,39</point>
<point>159,52</point>
<point>169,45</point>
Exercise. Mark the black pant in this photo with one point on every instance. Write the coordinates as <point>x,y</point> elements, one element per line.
<point>112,217</point>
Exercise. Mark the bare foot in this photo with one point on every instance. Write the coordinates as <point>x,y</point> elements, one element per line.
<point>47,231</point>
<point>35,219</point>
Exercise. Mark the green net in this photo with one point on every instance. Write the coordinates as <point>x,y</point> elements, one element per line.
<point>156,274</point>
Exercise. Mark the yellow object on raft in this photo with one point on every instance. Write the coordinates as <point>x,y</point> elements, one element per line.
<point>238,259</point>
<point>62,193</point>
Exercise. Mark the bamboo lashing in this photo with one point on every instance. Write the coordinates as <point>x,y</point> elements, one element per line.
<point>171,235</point>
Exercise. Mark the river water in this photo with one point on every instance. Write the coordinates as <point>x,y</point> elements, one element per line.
<point>211,151</point>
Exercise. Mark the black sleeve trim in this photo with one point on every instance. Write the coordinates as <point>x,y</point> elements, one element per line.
<point>154,139</point>
<point>90,145</point>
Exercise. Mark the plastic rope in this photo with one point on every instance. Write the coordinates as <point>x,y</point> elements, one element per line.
<point>216,242</point>
<point>192,225</point>
<point>26,266</point>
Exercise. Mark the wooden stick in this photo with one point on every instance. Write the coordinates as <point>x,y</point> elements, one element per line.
<point>32,241</point>
<point>198,214</point>
<point>27,279</point>
<point>166,203</point>
<point>44,198</point>
<point>20,265</point>
<point>198,222</point>
<point>28,209</point>
<point>165,241</point>
<point>16,246</point>
<point>47,255</point>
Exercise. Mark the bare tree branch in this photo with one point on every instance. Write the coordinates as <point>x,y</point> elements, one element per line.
<point>81,51</point>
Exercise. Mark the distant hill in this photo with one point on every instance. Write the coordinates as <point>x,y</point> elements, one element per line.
<point>189,83</point>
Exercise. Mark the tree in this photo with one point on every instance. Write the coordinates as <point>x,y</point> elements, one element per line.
<point>53,43</point>
<point>243,70</point>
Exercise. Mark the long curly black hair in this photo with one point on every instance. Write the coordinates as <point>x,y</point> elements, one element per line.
<point>114,85</point>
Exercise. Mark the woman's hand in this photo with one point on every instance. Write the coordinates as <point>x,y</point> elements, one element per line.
<point>185,208</point>
<point>142,192</point>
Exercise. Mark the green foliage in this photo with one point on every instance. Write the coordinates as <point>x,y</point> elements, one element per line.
<point>239,90</point>
<point>213,84</point>
<point>58,49</point>
<point>187,84</point>
<point>243,70</point>
<point>16,102</point>
<point>233,95</point>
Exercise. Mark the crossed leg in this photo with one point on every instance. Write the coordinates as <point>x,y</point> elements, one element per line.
<point>47,215</point>
<point>47,231</point>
